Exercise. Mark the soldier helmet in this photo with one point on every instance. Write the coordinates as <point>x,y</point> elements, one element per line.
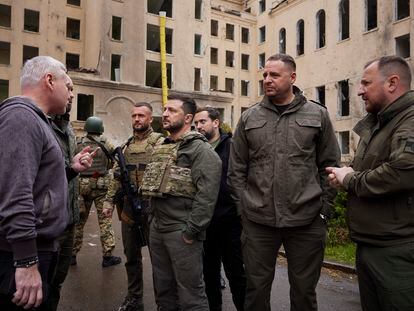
<point>94,125</point>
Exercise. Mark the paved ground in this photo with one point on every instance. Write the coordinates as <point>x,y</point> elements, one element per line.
<point>89,287</point>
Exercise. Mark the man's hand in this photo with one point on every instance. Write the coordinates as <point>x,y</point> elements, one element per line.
<point>336,175</point>
<point>83,160</point>
<point>28,287</point>
<point>107,209</point>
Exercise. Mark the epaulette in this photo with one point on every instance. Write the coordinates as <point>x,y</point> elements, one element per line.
<point>318,103</point>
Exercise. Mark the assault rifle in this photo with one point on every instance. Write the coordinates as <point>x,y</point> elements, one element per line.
<point>130,192</point>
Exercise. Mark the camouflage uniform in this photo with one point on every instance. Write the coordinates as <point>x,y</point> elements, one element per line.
<point>137,152</point>
<point>93,186</point>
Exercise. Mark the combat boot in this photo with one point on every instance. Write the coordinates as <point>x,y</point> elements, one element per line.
<point>108,261</point>
<point>131,304</point>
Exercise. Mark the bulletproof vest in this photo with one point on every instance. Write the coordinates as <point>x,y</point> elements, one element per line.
<point>163,176</point>
<point>100,162</point>
<point>138,153</point>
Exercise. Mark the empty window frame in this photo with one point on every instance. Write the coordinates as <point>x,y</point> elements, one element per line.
<point>85,107</point>
<point>371,14</point>
<point>343,98</point>
<point>229,85</point>
<point>153,38</point>
<point>153,74</point>
<point>343,10</point>
<point>402,46</point>
<point>262,34</point>
<point>261,88</point>
<point>197,79</point>
<point>320,29</point>
<point>197,44</point>
<point>344,142</point>
<point>4,53</point>
<point>116,27</point>
<point>214,27</point>
<point>229,59</point>
<point>29,52</point>
<point>72,61</point>
<point>4,89</point>
<point>155,6</point>
<point>74,2</point>
<point>282,40</point>
<point>31,20</point>
<point>244,88</point>
<point>229,31</point>
<point>300,37</point>
<point>214,56</point>
<point>213,83</point>
<point>262,6</point>
<point>320,94</point>
<point>73,28</point>
<point>245,61</point>
<point>245,34</point>
<point>5,16</point>
<point>262,60</point>
<point>115,67</point>
<point>198,8</point>
<point>401,9</point>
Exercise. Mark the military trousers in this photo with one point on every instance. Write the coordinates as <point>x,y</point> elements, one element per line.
<point>222,245</point>
<point>386,277</point>
<point>304,247</point>
<point>177,269</point>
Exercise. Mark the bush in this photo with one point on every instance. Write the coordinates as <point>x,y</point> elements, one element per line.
<point>338,229</point>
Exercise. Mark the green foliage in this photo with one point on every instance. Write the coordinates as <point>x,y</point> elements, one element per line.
<point>344,253</point>
<point>338,230</point>
<point>225,128</point>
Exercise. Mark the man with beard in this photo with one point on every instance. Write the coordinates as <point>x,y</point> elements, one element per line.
<point>280,150</point>
<point>183,181</point>
<point>137,152</point>
<point>222,244</point>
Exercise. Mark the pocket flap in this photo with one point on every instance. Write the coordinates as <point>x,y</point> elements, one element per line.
<point>308,122</point>
<point>254,124</point>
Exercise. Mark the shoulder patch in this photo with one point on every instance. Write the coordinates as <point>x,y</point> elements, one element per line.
<point>409,145</point>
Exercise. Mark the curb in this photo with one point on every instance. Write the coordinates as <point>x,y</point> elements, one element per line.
<point>332,265</point>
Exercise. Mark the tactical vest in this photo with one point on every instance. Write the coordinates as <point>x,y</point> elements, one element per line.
<point>163,176</point>
<point>139,154</point>
<point>100,164</point>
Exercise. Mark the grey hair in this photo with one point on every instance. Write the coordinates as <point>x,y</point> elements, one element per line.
<point>37,67</point>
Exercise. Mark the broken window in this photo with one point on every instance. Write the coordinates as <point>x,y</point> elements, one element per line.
<point>4,89</point>
<point>153,74</point>
<point>31,20</point>
<point>214,56</point>
<point>197,9</point>
<point>344,142</point>
<point>262,60</point>
<point>115,67</point>
<point>370,14</point>
<point>214,28</point>
<point>74,2</point>
<point>72,61</point>
<point>262,6</point>
<point>245,35</point>
<point>4,53</point>
<point>343,98</point>
<point>320,29</point>
<point>245,61</point>
<point>229,85</point>
<point>197,44</point>
<point>230,31</point>
<point>213,83</point>
<point>5,16</point>
<point>244,88</point>
<point>402,46</point>
<point>85,107</point>
<point>29,52</point>
<point>153,38</point>
<point>73,28</point>
<point>343,20</point>
<point>116,27</point>
<point>229,58</point>
<point>261,88</point>
<point>402,9</point>
<point>262,34</point>
<point>197,79</point>
<point>300,37</point>
<point>155,6</point>
<point>282,40</point>
<point>320,94</point>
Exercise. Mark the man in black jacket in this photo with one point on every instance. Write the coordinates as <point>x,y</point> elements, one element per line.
<point>222,242</point>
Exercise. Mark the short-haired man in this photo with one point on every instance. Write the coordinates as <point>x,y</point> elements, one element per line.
<point>277,174</point>
<point>380,187</point>
<point>183,181</point>
<point>137,152</point>
<point>33,186</point>
<point>222,244</point>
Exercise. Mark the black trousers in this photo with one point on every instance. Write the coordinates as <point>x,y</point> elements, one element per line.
<point>47,264</point>
<point>222,245</point>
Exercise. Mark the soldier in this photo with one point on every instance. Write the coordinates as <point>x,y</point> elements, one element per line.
<point>183,180</point>
<point>93,186</point>
<point>137,152</point>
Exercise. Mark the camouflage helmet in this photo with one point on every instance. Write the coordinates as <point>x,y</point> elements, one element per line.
<point>94,125</point>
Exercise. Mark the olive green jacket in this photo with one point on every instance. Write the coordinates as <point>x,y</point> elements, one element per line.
<point>192,216</point>
<point>277,163</point>
<point>381,190</point>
